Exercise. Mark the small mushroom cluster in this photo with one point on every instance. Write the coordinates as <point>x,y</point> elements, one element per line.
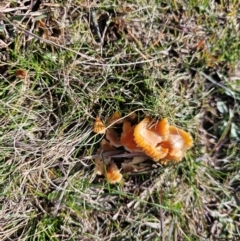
<point>158,140</point>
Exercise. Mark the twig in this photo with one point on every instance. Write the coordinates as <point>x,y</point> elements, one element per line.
<point>59,201</point>
<point>95,23</point>
<point>47,41</point>
<point>113,154</point>
<point>162,215</point>
<point>8,10</point>
<point>94,63</point>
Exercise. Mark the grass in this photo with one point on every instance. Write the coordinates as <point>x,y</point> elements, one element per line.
<point>177,60</point>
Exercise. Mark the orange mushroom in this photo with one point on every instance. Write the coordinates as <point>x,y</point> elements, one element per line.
<point>106,146</point>
<point>99,127</point>
<point>162,128</point>
<point>127,137</point>
<point>157,139</point>
<point>108,169</point>
<point>148,134</point>
<point>114,118</point>
<point>113,137</point>
<point>178,142</point>
<point>112,173</point>
<point>131,117</point>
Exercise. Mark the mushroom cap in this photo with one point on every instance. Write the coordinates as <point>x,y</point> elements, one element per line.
<point>127,138</point>
<point>99,127</point>
<point>148,134</point>
<point>178,139</point>
<point>108,169</point>
<point>99,165</point>
<point>162,128</point>
<point>114,118</point>
<point>113,137</point>
<point>131,117</point>
<point>106,146</point>
<point>112,173</point>
<point>178,142</point>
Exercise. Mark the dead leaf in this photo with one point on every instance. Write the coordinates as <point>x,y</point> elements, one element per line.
<point>21,73</point>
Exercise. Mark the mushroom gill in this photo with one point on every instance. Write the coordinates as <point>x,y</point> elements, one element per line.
<point>148,134</point>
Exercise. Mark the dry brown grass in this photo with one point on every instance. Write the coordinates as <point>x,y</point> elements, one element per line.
<point>64,63</point>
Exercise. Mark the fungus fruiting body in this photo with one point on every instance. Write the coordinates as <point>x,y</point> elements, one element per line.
<point>108,169</point>
<point>106,146</point>
<point>177,143</point>
<point>112,173</point>
<point>113,137</point>
<point>127,137</point>
<point>158,140</point>
<point>162,128</point>
<point>114,118</point>
<point>162,142</point>
<point>147,136</point>
<point>99,127</point>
